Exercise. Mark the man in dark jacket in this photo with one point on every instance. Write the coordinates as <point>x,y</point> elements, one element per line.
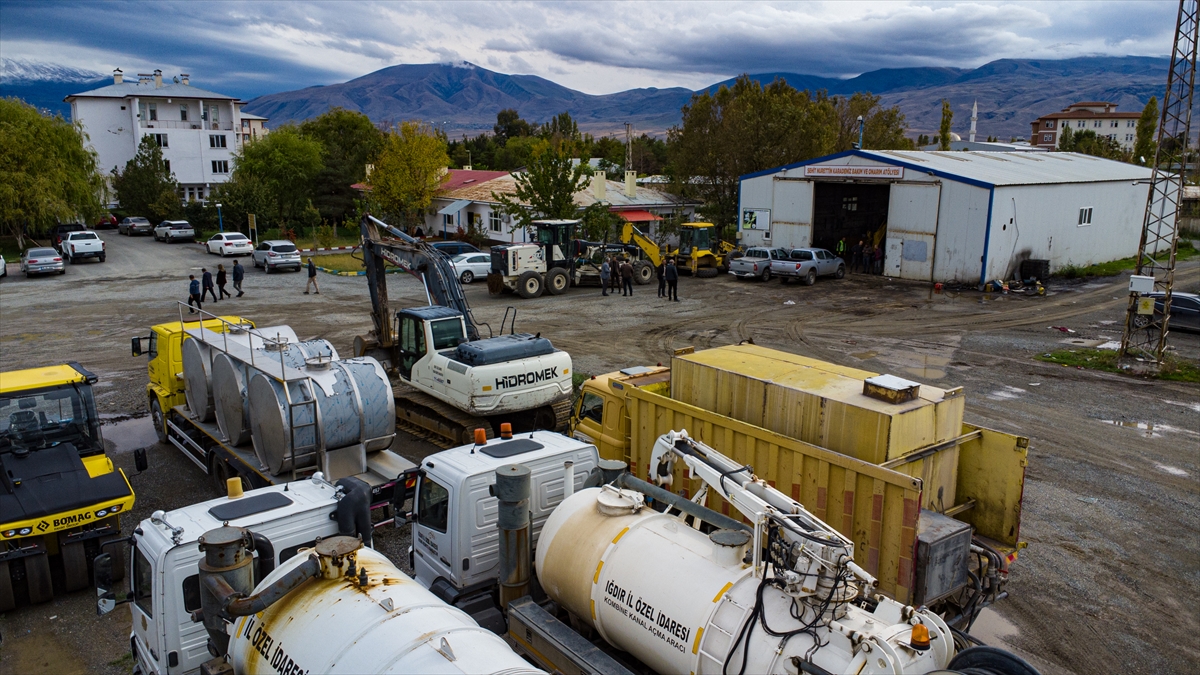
<point>671,274</point>
<point>605,276</point>
<point>856,254</point>
<point>193,293</point>
<point>239,273</point>
<point>626,278</point>
<point>661,272</point>
<point>312,277</point>
<point>206,285</point>
<point>222,279</point>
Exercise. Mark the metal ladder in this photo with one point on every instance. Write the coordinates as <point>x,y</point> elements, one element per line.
<point>311,404</point>
<point>719,659</point>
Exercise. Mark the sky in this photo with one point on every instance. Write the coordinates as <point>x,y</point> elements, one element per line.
<point>251,48</point>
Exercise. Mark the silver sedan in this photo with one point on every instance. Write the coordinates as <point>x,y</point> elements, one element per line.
<point>42,261</point>
<point>471,266</point>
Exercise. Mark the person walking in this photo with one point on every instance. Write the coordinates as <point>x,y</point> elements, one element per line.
<point>206,285</point>
<point>239,273</point>
<point>879,259</point>
<point>856,253</point>
<point>222,279</point>
<point>626,278</point>
<point>671,274</point>
<point>193,294</point>
<point>661,272</point>
<point>312,277</point>
<point>605,277</point>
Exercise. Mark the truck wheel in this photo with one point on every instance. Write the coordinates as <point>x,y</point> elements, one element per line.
<point>8,601</point>
<point>37,578</point>
<point>557,281</point>
<point>102,256</point>
<point>160,421</point>
<point>529,285</point>
<point>643,272</point>
<point>766,275</point>
<point>219,473</point>
<point>841,272</point>
<point>707,273</point>
<point>810,278</point>
<point>75,574</point>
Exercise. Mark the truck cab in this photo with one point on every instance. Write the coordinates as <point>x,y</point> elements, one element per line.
<point>164,367</point>
<point>528,269</point>
<point>600,417</point>
<point>164,587</point>
<point>508,374</point>
<point>455,542</point>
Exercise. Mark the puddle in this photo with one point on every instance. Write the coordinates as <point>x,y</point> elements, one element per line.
<point>991,628</point>
<point>863,356</point>
<point>129,434</point>
<point>928,367</point>
<point>1193,406</point>
<point>1150,429</point>
<point>1173,470</point>
<point>1081,342</point>
<point>1007,393</point>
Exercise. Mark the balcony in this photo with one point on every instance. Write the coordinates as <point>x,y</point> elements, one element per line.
<point>198,125</point>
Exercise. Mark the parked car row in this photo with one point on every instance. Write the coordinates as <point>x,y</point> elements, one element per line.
<point>805,264</point>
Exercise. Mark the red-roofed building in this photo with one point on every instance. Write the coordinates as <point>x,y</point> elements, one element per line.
<point>1098,116</point>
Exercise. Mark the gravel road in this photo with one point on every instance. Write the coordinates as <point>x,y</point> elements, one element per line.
<point>1111,504</point>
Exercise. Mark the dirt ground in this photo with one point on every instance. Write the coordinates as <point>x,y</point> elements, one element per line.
<point>1111,504</point>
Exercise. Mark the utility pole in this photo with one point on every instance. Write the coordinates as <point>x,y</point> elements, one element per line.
<point>1145,335</point>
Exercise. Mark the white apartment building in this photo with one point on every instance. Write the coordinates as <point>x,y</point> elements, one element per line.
<point>199,131</point>
<point>1098,116</point>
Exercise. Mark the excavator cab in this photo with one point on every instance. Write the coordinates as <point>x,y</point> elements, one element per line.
<point>423,327</point>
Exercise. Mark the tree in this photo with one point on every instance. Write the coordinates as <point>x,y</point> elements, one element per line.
<point>244,194</point>
<point>1144,145</point>
<point>286,163</point>
<point>409,171</point>
<point>510,125</point>
<point>349,141</point>
<point>1066,140</point>
<point>46,172</point>
<point>922,140</point>
<point>883,128</point>
<point>147,187</point>
<point>1087,142</point>
<point>546,189</point>
<point>562,131</point>
<point>944,129</point>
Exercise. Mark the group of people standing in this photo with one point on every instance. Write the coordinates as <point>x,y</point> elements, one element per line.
<point>617,272</point>
<point>865,257</point>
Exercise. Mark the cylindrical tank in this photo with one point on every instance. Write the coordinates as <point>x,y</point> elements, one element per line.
<point>683,612</point>
<point>197,360</point>
<point>392,625</point>
<point>230,377</point>
<point>354,404</point>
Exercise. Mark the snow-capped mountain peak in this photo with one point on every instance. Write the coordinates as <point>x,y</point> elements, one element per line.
<point>21,70</point>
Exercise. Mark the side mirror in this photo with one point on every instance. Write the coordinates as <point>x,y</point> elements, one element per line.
<point>136,343</point>
<point>139,460</point>
<point>106,600</point>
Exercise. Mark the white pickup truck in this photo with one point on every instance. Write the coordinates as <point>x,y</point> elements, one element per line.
<point>806,264</point>
<point>756,263</point>
<point>83,244</point>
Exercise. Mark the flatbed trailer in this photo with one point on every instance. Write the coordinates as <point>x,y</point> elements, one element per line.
<point>205,445</point>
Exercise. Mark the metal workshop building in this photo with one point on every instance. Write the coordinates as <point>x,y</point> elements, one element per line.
<point>951,216</point>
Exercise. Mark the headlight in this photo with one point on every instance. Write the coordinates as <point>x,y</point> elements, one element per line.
<point>101,513</point>
<point>10,533</point>
<point>25,530</point>
<point>114,508</point>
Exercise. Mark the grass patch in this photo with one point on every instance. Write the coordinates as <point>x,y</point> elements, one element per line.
<point>1183,251</point>
<point>1174,368</point>
<point>342,262</point>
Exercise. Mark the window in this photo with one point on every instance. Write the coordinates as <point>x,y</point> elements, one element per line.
<point>220,166</point>
<point>216,141</point>
<point>1049,124</point>
<point>1085,216</point>
<point>143,583</point>
<point>1048,138</point>
<point>433,504</point>
<point>153,345</point>
<point>160,139</point>
<point>446,333</point>
<point>153,112</point>
<point>141,111</point>
<point>448,220</point>
<point>592,408</point>
<point>1131,124</point>
<point>167,165</point>
<point>1096,124</point>
<point>849,203</point>
<point>494,221</point>
<point>1128,137</point>
<point>183,111</point>
<point>191,593</point>
<point>1114,124</point>
<point>191,196</point>
<point>802,255</point>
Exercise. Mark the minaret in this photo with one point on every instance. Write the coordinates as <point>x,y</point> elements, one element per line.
<point>974,118</point>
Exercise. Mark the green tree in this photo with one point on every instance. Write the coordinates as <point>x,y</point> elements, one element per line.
<point>1087,142</point>
<point>1066,140</point>
<point>922,140</point>
<point>287,163</point>
<point>349,141</point>
<point>510,125</point>
<point>546,189</point>
<point>147,187</point>
<point>1144,146</point>
<point>409,171</point>
<point>518,152</point>
<point>883,128</point>
<point>944,129</point>
<point>244,194</point>
<point>46,172</point>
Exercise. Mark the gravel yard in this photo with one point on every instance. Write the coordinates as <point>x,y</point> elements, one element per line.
<point>1111,503</point>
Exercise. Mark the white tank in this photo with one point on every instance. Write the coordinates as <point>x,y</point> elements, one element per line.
<point>676,599</point>
<point>197,360</point>
<point>393,625</point>
<point>230,377</point>
<point>354,405</point>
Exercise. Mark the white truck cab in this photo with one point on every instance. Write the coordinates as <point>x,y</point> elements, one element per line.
<point>164,577</point>
<point>455,542</point>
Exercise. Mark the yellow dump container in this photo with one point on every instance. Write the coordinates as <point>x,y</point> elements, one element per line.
<point>816,402</point>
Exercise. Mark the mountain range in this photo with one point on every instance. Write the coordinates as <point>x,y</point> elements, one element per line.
<point>462,98</point>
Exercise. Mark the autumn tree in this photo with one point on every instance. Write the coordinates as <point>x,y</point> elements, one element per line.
<point>883,128</point>
<point>147,187</point>
<point>1144,145</point>
<point>410,170</point>
<point>944,129</point>
<point>349,141</point>
<point>46,172</point>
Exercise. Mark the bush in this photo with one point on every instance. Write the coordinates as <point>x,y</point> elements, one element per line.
<point>325,236</point>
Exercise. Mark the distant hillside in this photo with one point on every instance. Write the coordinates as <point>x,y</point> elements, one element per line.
<point>44,85</point>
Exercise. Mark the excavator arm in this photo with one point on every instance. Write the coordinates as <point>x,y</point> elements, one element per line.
<point>632,235</point>
<point>381,244</point>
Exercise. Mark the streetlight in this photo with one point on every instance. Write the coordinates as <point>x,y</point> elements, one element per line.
<point>860,133</point>
<point>220,220</point>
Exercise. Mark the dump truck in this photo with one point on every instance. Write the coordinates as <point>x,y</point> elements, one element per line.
<point>890,463</point>
<point>60,495</point>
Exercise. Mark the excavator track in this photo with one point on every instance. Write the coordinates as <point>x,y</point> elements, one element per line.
<point>446,426</point>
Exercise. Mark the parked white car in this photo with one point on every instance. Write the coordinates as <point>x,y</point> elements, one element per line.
<point>3,268</point>
<point>81,245</point>
<point>172,231</point>
<point>471,266</point>
<point>277,254</point>
<point>229,243</point>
